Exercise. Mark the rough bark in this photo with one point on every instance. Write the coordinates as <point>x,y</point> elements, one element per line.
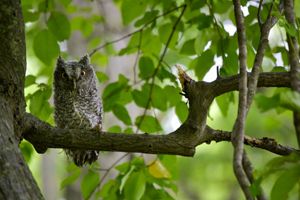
<point>16,181</point>
<point>180,142</point>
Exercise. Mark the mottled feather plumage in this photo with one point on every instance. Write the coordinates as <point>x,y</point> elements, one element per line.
<point>77,102</point>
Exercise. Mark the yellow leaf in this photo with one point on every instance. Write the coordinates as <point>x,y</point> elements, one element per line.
<point>158,170</point>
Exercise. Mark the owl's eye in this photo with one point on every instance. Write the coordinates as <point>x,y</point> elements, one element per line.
<point>82,73</point>
<point>64,75</point>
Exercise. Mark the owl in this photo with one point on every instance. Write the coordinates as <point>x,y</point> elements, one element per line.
<point>77,103</point>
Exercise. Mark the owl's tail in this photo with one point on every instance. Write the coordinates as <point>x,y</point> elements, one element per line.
<point>81,157</point>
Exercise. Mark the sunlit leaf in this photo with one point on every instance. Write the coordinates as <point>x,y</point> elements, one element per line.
<point>102,77</point>
<point>132,9</point>
<point>45,46</point>
<point>59,25</point>
<point>39,105</point>
<point>29,80</point>
<point>150,15</point>
<point>203,63</point>
<point>135,186</point>
<point>146,67</point>
<point>165,32</point>
<point>158,170</point>
<point>181,110</point>
<point>172,95</point>
<point>158,98</point>
<point>266,103</point>
<point>89,183</point>
<point>141,97</point>
<point>122,114</point>
<point>285,183</point>
<point>224,101</point>
<point>115,129</point>
<point>148,124</point>
<point>188,47</point>
<point>71,178</point>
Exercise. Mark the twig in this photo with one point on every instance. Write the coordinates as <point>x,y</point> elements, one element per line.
<point>265,143</point>
<point>105,174</point>
<point>136,31</point>
<point>259,13</point>
<point>159,65</point>
<point>265,30</point>
<point>137,55</point>
<point>237,137</point>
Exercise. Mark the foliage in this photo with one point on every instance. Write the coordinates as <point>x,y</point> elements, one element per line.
<point>197,34</point>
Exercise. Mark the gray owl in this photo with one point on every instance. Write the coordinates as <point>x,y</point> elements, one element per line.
<point>77,102</point>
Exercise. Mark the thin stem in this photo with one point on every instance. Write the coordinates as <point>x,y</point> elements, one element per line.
<point>136,31</point>
<point>105,175</point>
<point>160,61</point>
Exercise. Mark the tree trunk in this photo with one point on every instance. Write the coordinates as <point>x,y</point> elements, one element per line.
<point>16,181</point>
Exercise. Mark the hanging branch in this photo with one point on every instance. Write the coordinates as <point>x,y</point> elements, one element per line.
<point>293,60</point>
<point>237,137</point>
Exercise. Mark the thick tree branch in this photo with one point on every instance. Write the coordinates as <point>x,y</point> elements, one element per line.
<point>43,136</point>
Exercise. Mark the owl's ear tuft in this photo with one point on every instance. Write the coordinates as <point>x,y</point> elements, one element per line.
<point>85,60</point>
<point>60,62</point>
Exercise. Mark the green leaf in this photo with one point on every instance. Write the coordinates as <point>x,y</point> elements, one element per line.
<point>122,114</point>
<point>172,95</point>
<point>102,77</point>
<point>71,178</point>
<point>158,98</point>
<point>290,99</point>
<point>30,80</point>
<point>89,182</point>
<point>45,46</point>
<point>203,63</point>
<point>39,105</point>
<point>151,43</point>
<point>30,16</point>
<point>59,25</point>
<point>188,48</point>
<point>149,16</point>
<point>279,69</point>
<point>165,32</point>
<point>266,103</point>
<point>181,110</point>
<point>83,25</point>
<point>146,67</point>
<point>285,183</point>
<point>115,129</point>
<point>109,190</point>
<point>148,124</point>
<point>27,150</point>
<point>203,21</point>
<point>132,9</point>
<point>135,186</point>
<point>141,97</point>
<point>224,101</point>
<point>126,175</point>
<point>154,193</point>
<point>112,93</point>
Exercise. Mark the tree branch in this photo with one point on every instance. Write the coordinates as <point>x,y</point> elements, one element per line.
<point>43,136</point>
<point>237,137</point>
<point>293,60</point>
